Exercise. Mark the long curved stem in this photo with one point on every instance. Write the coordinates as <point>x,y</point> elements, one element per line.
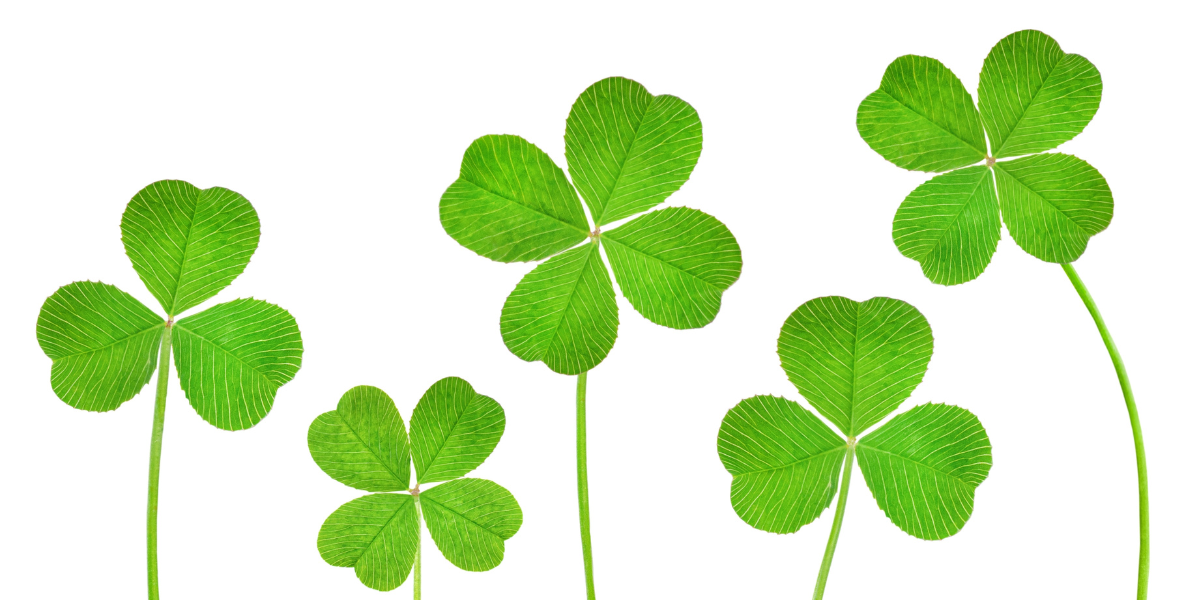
<point>826,562</point>
<point>160,410</point>
<point>585,517</point>
<point>1134,422</point>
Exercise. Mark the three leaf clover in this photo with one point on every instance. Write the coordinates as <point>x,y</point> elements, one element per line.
<point>186,245</point>
<point>1032,98</point>
<point>364,445</point>
<point>855,362</point>
<point>627,151</point>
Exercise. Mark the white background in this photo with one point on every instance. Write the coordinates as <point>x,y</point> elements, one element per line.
<point>344,124</point>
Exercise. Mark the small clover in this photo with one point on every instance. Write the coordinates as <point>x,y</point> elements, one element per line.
<point>363,444</point>
<point>627,151</point>
<point>186,245</point>
<point>1032,98</point>
<point>855,362</point>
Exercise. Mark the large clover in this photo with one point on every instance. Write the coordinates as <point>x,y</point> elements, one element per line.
<point>186,245</point>
<point>627,151</point>
<point>1032,98</point>
<point>363,444</point>
<point>856,363</point>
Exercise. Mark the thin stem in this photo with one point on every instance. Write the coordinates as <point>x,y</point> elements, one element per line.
<point>417,568</point>
<point>585,518</point>
<point>1134,422</point>
<point>160,410</point>
<point>823,575</point>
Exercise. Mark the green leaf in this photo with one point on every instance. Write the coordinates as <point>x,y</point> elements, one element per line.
<point>469,519</point>
<point>674,264</point>
<point>563,313</point>
<point>784,463</point>
<point>362,444</point>
<point>951,225</point>
<point>377,535</point>
<point>103,343</point>
<point>1052,204</point>
<point>628,150</point>
<point>233,357</point>
<point>187,244</point>
<point>855,361</point>
<point>923,466</point>
<point>511,203</point>
<point>1033,96</point>
<point>454,429</point>
<point>922,118</point>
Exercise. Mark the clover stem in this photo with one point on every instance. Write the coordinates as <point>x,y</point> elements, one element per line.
<point>823,575</point>
<point>585,518</point>
<point>417,567</point>
<point>160,410</point>
<point>1134,422</point>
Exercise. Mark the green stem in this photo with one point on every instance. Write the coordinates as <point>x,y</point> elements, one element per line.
<point>1134,422</point>
<point>826,562</point>
<point>160,410</point>
<point>585,518</point>
<point>417,571</point>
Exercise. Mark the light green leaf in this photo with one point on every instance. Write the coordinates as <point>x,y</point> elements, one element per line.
<point>362,444</point>
<point>951,225</point>
<point>784,463</point>
<point>563,313</point>
<point>922,118</point>
<point>511,203</point>
<point>923,467</point>
<point>855,362</point>
<point>233,357</point>
<point>1052,204</point>
<point>377,535</point>
<point>187,244</point>
<point>1033,96</point>
<point>469,519</point>
<point>454,429</point>
<point>628,150</point>
<point>103,343</point>
<point>674,264</point>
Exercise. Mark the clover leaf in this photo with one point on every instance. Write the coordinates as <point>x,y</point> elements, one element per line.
<point>364,445</point>
<point>1032,98</point>
<point>855,362</point>
<point>186,245</point>
<point>627,152</point>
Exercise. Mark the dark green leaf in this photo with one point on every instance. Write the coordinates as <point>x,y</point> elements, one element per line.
<point>362,444</point>
<point>377,535</point>
<point>511,202</point>
<point>951,225</point>
<point>784,463</point>
<point>628,150</point>
<point>454,429</point>
<point>922,118</point>
<point>469,519</point>
<point>674,264</point>
<point>233,357</point>
<point>187,244</point>
<point>855,362</point>
<point>104,344</point>
<point>923,467</point>
<point>563,313</point>
<point>1033,96</point>
<point>1052,204</point>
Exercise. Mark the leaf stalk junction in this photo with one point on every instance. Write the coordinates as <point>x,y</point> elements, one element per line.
<point>831,545</point>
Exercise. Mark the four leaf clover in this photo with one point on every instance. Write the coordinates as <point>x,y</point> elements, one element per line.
<point>855,362</point>
<point>364,445</point>
<point>1032,98</point>
<point>627,151</point>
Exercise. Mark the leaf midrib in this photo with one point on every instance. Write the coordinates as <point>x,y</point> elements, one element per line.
<point>442,446</point>
<point>527,207</point>
<point>373,453</point>
<point>714,286</point>
<point>624,161</point>
<point>111,344</point>
<point>187,241</point>
<point>222,348</point>
<point>864,444</point>
<point>1044,200</point>
<point>1025,110</point>
<point>936,124</point>
<point>958,216</point>
<point>463,517</point>
<point>794,463</point>
<point>574,288</point>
